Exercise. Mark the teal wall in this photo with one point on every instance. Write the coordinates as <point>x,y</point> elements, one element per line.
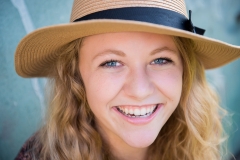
<point>22,100</point>
<point>221,19</point>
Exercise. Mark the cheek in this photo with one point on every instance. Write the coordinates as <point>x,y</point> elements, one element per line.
<point>169,83</point>
<point>101,88</point>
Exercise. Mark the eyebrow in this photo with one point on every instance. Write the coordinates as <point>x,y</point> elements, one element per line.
<point>110,51</point>
<point>122,54</point>
<point>162,49</point>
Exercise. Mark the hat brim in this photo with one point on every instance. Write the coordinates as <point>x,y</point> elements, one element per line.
<point>38,50</point>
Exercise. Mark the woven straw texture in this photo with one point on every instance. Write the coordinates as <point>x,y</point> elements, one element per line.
<point>92,6</point>
<point>36,53</point>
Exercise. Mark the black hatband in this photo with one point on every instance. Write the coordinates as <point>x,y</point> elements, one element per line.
<point>147,14</point>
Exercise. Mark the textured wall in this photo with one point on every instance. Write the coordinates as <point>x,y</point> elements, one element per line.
<point>22,100</point>
<point>221,19</point>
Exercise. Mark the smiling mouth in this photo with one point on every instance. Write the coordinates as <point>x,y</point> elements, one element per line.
<point>137,112</point>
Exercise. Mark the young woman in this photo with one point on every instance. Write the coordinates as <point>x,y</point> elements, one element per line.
<point>128,82</point>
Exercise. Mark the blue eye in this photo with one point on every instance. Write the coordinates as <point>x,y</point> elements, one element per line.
<point>111,63</point>
<point>161,61</point>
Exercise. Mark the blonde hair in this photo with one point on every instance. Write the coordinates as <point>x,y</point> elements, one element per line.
<point>193,132</point>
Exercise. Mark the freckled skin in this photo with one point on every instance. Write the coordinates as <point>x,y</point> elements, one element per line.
<point>135,80</point>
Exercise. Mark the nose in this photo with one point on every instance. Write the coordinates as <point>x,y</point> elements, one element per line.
<point>138,84</point>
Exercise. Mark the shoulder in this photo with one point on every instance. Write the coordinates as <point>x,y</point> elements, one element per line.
<point>29,149</point>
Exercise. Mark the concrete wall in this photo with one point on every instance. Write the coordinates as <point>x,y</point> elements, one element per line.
<point>22,100</point>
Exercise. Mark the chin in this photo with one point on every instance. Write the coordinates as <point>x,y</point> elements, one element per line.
<point>141,140</point>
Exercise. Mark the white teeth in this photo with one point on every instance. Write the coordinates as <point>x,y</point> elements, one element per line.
<point>126,110</point>
<point>143,111</point>
<point>130,111</point>
<point>148,109</point>
<point>137,112</point>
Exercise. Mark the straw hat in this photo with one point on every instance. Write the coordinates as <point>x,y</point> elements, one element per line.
<point>37,52</point>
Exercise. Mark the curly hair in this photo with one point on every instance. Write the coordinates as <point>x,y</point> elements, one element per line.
<point>193,132</point>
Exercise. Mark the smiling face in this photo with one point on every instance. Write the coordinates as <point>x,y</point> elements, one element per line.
<point>133,83</point>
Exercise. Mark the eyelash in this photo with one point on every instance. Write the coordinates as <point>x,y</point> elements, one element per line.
<point>167,60</point>
<point>104,64</point>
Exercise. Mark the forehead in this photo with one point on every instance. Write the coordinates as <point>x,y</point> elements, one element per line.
<point>111,38</point>
<point>122,39</point>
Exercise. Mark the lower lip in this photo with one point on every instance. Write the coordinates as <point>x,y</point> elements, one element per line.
<point>138,120</point>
